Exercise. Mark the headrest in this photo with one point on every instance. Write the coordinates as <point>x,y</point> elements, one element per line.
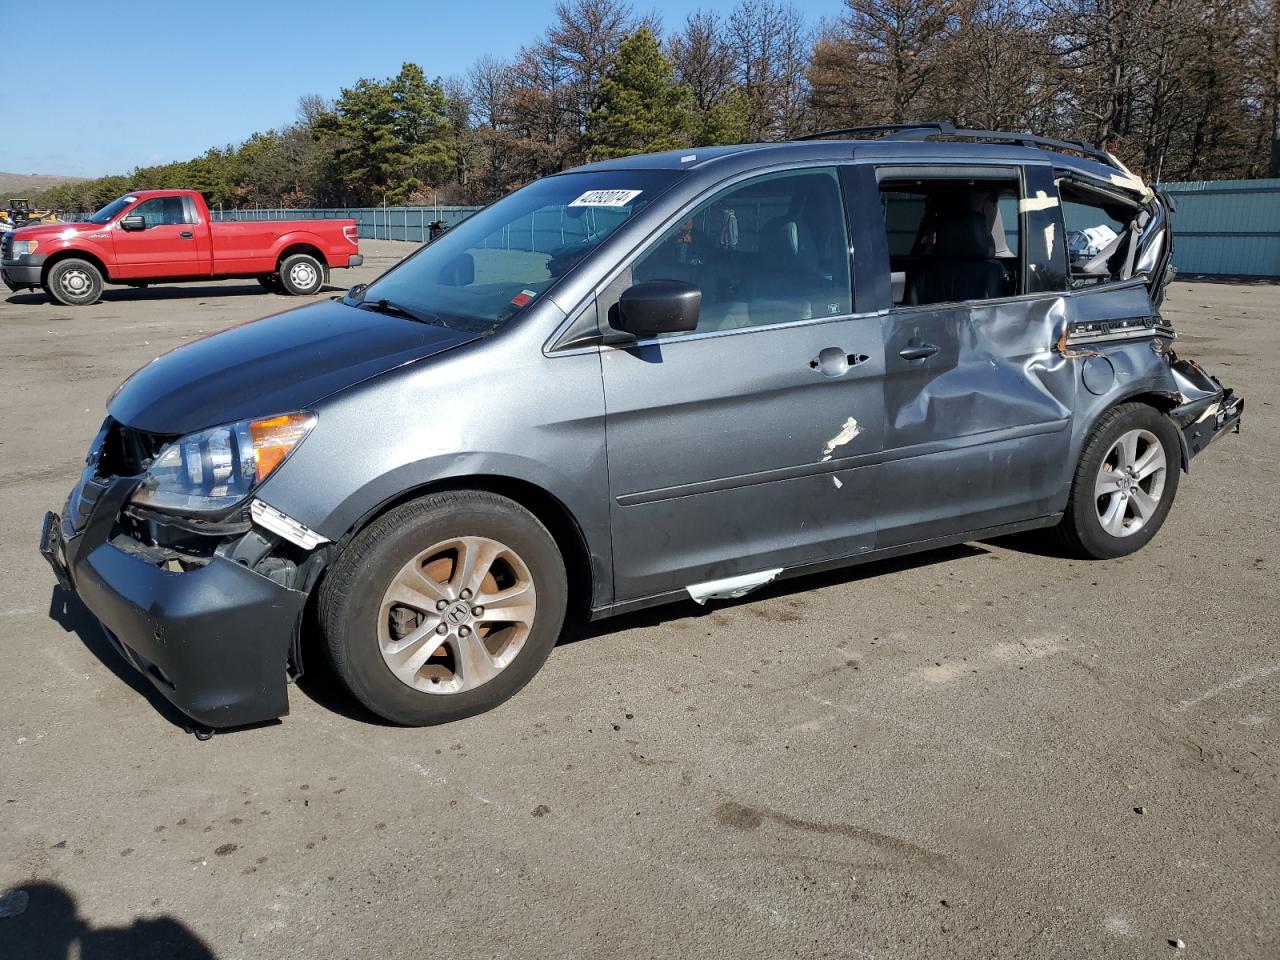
<point>780,238</point>
<point>964,234</point>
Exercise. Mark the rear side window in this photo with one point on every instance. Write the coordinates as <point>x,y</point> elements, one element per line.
<point>951,239</point>
<point>1100,232</point>
<point>161,211</point>
<point>773,249</point>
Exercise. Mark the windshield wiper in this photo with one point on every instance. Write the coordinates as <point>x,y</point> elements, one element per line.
<point>394,309</point>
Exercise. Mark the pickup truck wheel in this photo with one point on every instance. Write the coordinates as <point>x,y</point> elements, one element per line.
<point>444,607</point>
<point>301,275</point>
<point>74,283</point>
<point>271,283</point>
<point>1124,484</point>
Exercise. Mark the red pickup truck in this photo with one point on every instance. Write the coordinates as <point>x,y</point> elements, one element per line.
<point>163,236</point>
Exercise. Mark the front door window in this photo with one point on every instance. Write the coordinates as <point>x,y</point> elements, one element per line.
<point>771,250</point>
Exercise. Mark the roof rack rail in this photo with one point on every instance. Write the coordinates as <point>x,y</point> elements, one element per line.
<point>927,129</point>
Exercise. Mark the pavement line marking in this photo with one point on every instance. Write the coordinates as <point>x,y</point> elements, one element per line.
<point>18,611</point>
<point>912,727</point>
<point>1236,684</point>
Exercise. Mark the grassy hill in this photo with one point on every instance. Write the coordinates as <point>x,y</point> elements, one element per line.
<point>29,184</point>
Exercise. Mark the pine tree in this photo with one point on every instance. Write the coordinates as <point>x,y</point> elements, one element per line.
<point>392,136</point>
<point>642,107</point>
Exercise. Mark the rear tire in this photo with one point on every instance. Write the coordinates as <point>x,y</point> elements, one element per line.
<point>1124,485</point>
<point>301,275</point>
<point>73,282</point>
<point>421,630</point>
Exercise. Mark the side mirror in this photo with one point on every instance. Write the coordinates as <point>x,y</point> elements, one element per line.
<point>459,272</point>
<point>133,222</point>
<point>659,306</point>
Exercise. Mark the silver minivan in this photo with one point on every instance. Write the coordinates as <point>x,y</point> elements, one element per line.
<point>661,378</point>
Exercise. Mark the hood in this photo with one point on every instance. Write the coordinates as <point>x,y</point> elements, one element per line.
<point>39,231</point>
<point>275,365</point>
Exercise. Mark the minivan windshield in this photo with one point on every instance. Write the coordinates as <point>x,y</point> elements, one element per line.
<point>487,269</point>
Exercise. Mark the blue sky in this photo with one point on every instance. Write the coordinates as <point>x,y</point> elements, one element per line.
<point>143,82</point>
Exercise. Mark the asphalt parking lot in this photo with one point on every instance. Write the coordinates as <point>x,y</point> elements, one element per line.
<point>939,756</point>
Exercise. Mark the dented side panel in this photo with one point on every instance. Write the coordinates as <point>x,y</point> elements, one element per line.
<point>977,434</point>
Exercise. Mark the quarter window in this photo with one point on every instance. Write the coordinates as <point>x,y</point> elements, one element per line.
<point>952,240</point>
<point>1101,232</point>
<point>771,250</point>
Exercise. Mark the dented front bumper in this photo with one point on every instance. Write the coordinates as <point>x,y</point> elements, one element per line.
<point>214,640</point>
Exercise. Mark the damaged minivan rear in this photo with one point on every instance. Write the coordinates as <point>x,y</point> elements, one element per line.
<point>667,377</point>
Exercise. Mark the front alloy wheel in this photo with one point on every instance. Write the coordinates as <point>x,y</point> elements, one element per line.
<point>443,607</point>
<point>456,615</point>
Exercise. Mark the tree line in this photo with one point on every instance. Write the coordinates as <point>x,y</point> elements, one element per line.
<point>1178,89</point>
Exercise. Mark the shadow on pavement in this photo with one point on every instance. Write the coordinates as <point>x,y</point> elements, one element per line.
<point>682,610</point>
<point>1040,543</point>
<point>40,921</point>
<point>66,610</point>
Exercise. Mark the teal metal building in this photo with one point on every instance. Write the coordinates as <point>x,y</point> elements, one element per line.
<point>1226,228</point>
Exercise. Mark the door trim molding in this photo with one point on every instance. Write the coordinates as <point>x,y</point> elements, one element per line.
<point>843,463</point>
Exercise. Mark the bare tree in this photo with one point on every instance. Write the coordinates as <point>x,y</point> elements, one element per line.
<point>702,59</point>
<point>1263,56</point>
<point>995,68</point>
<point>879,63</point>
<point>488,91</point>
<point>770,46</point>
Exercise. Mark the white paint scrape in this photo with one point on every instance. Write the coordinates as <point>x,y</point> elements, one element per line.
<point>730,588</point>
<point>847,433</point>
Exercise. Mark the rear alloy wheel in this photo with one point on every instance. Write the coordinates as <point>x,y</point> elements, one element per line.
<point>301,275</point>
<point>444,607</point>
<point>74,283</point>
<point>1125,483</point>
<point>1130,483</point>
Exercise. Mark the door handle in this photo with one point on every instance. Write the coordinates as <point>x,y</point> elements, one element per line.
<point>922,352</point>
<point>834,362</point>
<point>187,235</point>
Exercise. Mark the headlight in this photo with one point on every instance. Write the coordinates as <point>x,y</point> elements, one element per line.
<point>23,248</point>
<point>211,471</point>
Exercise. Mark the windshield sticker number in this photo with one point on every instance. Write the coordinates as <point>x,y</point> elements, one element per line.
<point>606,198</point>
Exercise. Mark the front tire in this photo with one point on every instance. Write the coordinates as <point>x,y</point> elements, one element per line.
<point>301,275</point>
<point>1124,484</point>
<point>74,283</point>
<point>444,607</point>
